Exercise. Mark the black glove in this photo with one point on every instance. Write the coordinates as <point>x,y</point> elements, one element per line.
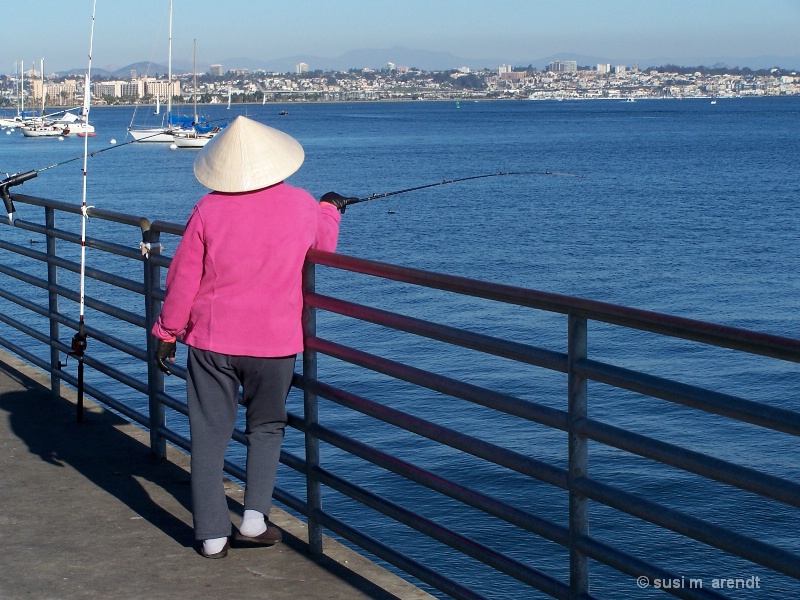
<point>165,354</point>
<point>339,201</point>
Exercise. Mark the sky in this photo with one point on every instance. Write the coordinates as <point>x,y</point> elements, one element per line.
<point>516,31</point>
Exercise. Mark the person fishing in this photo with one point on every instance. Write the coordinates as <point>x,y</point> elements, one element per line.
<point>234,296</point>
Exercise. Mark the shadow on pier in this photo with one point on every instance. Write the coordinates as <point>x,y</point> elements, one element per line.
<point>88,513</point>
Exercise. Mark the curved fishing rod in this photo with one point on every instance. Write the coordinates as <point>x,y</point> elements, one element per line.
<point>350,201</point>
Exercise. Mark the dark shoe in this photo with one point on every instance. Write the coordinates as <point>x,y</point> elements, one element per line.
<point>221,554</point>
<point>269,538</point>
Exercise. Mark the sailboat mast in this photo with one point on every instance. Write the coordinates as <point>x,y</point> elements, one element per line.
<point>169,69</point>
<point>194,72</point>
<point>42,74</point>
<point>22,86</point>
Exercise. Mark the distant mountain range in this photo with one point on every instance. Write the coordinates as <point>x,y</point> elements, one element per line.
<point>427,60</point>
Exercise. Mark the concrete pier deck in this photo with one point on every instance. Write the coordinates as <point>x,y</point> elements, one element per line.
<point>86,513</point>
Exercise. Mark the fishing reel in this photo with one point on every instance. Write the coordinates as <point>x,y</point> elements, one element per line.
<point>11,181</point>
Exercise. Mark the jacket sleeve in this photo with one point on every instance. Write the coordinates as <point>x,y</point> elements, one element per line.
<point>328,218</point>
<point>183,281</point>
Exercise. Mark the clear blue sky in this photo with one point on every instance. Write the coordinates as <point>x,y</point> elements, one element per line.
<point>128,31</point>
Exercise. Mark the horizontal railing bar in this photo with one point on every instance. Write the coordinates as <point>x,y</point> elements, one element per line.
<point>478,395</point>
<point>172,403</point>
<point>21,327</point>
<point>481,449</point>
<point>555,361</point>
<point>290,500</point>
<point>91,332</point>
<point>734,543</point>
<point>626,563</point>
<point>92,273</point>
<point>699,331</point>
<point>175,438</point>
<point>778,419</point>
<point>112,342</point>
<point>393,557</point>
<point>103,398</point>
<point>117,375</point>
<point>739,476</point>
<point>467,496</point>
<point>168,227</point>
<point>91,211</point>
<point>25,354</point>
<point>103,307</point>
<point>446,536</point>
<point>73,238</point>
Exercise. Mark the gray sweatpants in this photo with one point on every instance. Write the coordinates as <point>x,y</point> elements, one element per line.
<point>212,387</point>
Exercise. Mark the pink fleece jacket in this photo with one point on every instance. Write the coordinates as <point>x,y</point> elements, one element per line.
<point>234,286</point>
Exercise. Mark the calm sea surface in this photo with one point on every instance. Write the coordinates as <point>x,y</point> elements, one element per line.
<point>683,207</point>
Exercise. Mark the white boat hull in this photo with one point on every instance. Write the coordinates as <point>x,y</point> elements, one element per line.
<point>152,135</point>
<point>192,140</point>
<point>46,131</point>
<point>81,129</point>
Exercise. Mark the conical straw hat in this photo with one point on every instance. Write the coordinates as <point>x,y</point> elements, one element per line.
<point>247,156</point>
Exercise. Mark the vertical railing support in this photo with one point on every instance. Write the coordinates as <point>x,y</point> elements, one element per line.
<point>52,302</point>
<point>151,247</point>
<point>578,457</point>
<point>311,412</point>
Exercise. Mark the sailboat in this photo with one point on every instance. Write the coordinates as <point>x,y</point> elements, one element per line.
<point>21,118</point>
<point>164,132</point>
<point>199,135</point>
<point>39,127</point>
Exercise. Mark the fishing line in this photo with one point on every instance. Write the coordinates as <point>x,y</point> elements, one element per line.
<point>449,181</point>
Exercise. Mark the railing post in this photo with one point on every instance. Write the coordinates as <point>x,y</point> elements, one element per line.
<point>155,378</point>
<point>311,412</point>
<point>52,302</point>
<point>578,457</point>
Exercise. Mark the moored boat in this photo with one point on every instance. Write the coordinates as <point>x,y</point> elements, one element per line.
<point>194,139</point>
<point>164,133</point>
<point>43,130</point>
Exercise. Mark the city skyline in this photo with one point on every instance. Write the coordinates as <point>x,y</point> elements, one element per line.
<point>509,31</point>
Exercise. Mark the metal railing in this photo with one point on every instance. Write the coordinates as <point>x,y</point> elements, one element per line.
<point>123,377</point>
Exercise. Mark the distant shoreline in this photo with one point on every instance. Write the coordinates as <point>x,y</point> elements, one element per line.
<point>55,109</point>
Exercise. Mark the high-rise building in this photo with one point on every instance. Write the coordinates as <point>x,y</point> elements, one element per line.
<point>302,68</point>
<point>215,70</point>
<point>563,66</point>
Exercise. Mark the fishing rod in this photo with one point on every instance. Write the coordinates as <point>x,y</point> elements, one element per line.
<point>79,340</point>
<point>20,178</point>
<point>349,201</point>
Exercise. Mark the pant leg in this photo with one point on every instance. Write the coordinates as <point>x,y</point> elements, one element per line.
<point>212,395</point>
<point>265,385</point>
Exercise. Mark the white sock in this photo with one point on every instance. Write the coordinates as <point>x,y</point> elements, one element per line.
<point>214,545</point>
<point>253,523</point>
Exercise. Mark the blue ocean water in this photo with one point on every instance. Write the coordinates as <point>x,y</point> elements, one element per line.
<point>682,207</point>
